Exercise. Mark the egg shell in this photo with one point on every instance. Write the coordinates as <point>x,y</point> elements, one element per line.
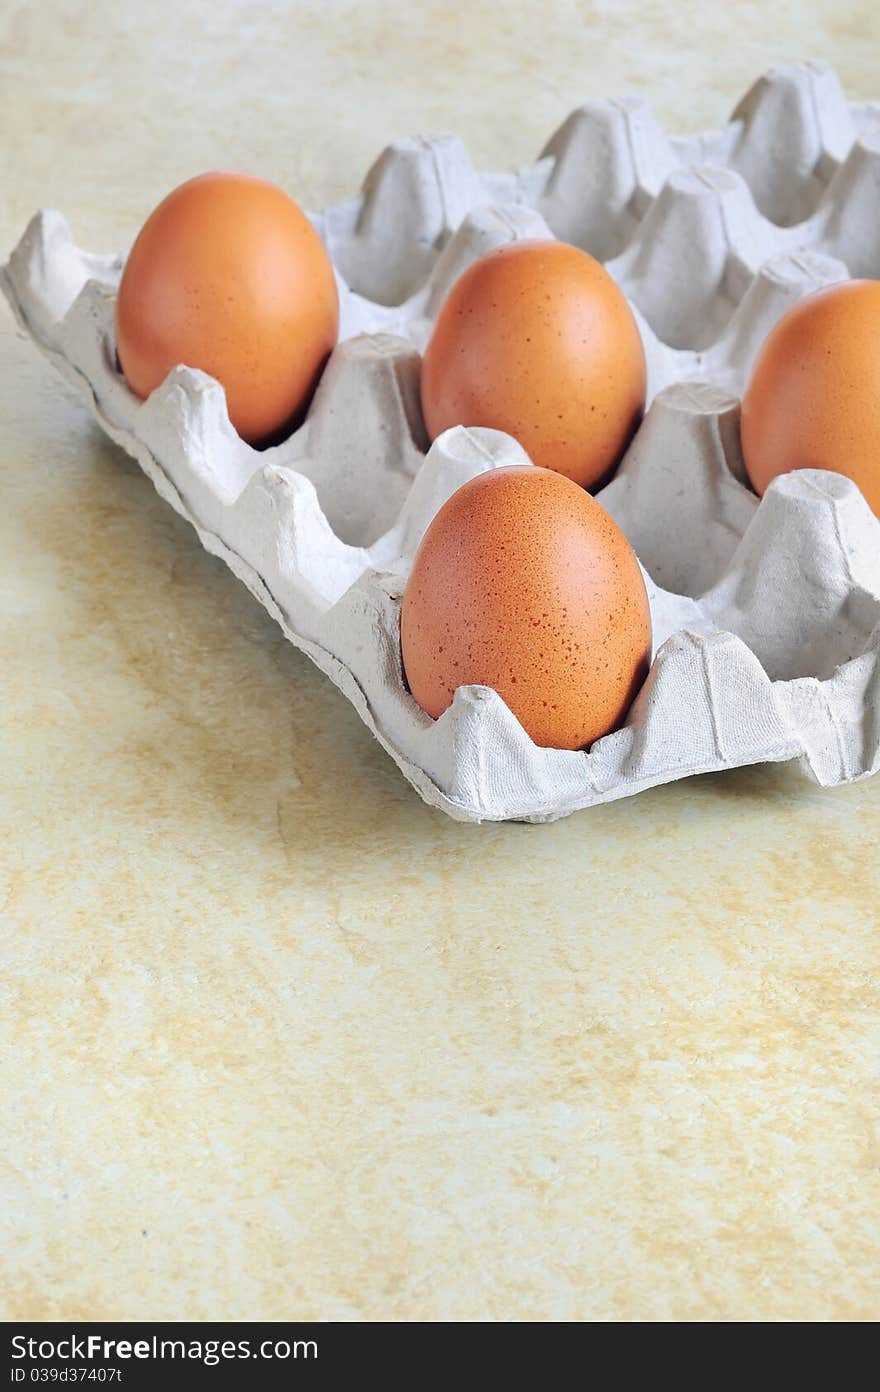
<point>536,339</point>
<point>813,399</point>
<point>524,583</point>
<point>228,275</point>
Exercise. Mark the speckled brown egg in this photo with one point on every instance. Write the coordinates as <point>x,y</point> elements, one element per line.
<point>537,340</point>
<point>524,583</point>
<point>813,400</point>
<point>228,275</point>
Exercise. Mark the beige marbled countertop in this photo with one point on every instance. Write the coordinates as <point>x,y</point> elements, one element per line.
<point>277,1040</point>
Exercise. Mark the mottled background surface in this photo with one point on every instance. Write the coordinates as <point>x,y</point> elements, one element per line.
<point>276,1040</point>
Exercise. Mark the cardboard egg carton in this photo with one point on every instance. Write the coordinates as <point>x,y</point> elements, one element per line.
<point>766,614</point>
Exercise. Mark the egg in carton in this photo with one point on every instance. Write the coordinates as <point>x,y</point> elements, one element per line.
<point>766,612</point>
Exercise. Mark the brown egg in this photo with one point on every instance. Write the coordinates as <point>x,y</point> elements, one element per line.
<point>228,275</point>
<point>524,583</point>
<point>536,339</point>
<point>813,401</point>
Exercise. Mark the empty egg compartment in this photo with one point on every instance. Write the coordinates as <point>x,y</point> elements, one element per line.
<point>683,222</point>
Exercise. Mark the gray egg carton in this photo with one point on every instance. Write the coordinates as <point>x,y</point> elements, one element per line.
<point>766,614</point>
